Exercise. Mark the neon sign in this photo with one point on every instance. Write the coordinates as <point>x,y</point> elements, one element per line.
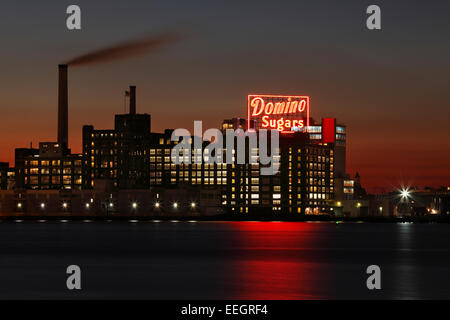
<point>283,113</point>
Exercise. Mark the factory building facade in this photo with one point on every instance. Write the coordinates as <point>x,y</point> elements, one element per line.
<point>311,158</point>
<point>49,167</point>
<point>7,179</point>
<point>120,155</point>
<point>141,159</point>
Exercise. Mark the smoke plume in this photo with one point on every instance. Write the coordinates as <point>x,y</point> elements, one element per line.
<point>126,49</point>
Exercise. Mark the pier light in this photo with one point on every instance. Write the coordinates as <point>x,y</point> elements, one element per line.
<point>134,205</point>
<point>87,205</point>
<point>175,205</point>
<point>193,205</point>
<point>64,205</point>
<point>19,205</point>
<point>156,204</point>
<point>111,204</point>
<point>405,193</point>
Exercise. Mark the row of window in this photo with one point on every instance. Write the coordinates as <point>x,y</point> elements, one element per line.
<point>56,180</point>
<point>53,163</point>
<point>53,171</point>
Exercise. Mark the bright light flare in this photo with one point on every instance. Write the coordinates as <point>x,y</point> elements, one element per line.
<point>405,193</point>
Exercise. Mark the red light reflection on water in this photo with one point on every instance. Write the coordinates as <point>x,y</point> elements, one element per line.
<point>277,260</point>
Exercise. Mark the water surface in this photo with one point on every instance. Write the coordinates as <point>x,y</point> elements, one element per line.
<point>224,260</point>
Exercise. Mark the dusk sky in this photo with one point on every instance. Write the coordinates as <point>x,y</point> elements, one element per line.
<point>390,87</point>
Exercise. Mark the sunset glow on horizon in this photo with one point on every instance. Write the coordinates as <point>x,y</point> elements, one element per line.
<point>390,92</point>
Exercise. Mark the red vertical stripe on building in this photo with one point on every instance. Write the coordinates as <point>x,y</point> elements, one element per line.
<point>328,130</point>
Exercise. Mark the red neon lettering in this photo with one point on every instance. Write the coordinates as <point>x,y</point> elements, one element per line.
<point>302,106</point>
<point>294,105</point>
<point>269,108</point>
<point>288,104</point>
<point>280,123</point>
<point>287,124</point>
<point>265,122</point>
<point>256,102</point>
<point>279,107</point>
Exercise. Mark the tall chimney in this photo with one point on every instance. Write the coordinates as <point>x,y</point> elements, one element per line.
<point>63,125</point>
<point>132,99</point>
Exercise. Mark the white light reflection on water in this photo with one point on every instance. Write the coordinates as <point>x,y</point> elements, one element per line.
<point>405,286</point>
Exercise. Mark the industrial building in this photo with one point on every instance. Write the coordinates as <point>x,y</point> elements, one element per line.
<point>130,157</point>
<point>52,166</point>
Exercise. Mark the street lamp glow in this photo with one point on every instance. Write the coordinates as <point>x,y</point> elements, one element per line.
<point>42,205</point>
<point>156,204</point>
<point>64,205</point>
<point>111,204</point>
<point>87,205</point>
<point>19,205</point>
<point>134,205</point>
<point>193,205</point>
<point>175,205</point>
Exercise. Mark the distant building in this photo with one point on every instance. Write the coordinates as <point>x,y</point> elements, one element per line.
<point>325,131</point>
<point>49,167</point>
<point>20,155</point>
<point>421,202</point>
<point>304,183</point>
<point>311,178</point>
<point>121,154</point>
<point>4,169</point>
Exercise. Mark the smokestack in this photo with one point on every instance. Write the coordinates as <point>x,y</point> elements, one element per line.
<point>63,125</point>
<point>132,99</point>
